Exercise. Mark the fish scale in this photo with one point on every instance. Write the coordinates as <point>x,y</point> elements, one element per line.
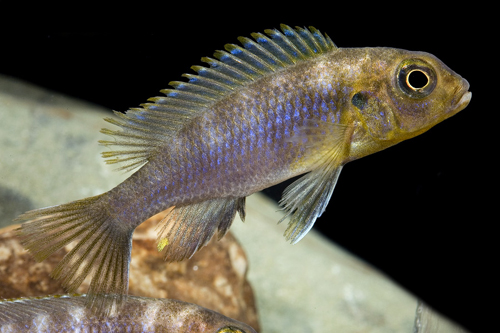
<point>284,104</point>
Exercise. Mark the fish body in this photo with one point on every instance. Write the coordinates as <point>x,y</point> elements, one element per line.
<point>137,314</point>
<point>282,105</point>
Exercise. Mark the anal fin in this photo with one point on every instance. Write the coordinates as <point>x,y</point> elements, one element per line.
<point>184,230</point>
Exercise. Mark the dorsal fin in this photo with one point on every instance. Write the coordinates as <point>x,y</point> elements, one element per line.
<point>145,129</point>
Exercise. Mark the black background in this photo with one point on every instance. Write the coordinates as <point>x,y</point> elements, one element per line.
<point>423,211</point>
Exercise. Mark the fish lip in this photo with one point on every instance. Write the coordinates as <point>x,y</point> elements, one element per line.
<point>464,98</point>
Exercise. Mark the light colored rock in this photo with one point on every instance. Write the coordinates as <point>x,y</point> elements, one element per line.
<point>49,148</point>
<point>313,286</point>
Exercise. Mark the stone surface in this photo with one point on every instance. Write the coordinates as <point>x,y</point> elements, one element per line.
<point>215,278</point>
<point>313,286</point>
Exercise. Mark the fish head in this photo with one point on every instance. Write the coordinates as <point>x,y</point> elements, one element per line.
<point>233,329</point>
<point>207,321</point>
<point>413,92</point>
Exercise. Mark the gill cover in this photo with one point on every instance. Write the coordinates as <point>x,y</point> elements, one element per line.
<point>375,114</point>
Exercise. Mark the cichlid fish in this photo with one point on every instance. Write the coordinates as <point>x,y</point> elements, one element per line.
<point>137,314</point>
<point>284,104</point>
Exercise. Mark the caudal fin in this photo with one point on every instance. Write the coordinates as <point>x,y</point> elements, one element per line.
<point>102,251</point>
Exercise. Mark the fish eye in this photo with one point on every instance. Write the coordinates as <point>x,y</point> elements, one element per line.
<point>416,78</point>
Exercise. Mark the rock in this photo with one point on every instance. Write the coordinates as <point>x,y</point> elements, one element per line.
<point>214,278</point>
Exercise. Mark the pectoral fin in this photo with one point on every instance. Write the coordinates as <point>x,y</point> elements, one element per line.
<point>306,198</point>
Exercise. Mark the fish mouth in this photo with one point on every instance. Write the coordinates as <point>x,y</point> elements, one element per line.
<point>463,98</point>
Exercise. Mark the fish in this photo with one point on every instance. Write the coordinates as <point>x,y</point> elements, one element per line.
<point>68,313</point>
<point>283,104</point>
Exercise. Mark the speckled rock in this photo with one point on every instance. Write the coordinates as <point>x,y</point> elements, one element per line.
<point>215,278</point>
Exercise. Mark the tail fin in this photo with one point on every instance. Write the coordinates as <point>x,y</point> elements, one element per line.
<point>103,248</point>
